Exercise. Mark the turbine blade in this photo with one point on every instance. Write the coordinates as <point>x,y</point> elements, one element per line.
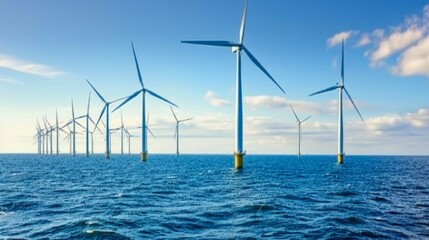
<point>173,113</point>
<point>119,99</point>
<point>99,95</point>
<point>72,109</point>
<point>80,125</point>
<point>354,105</point>
<point>342,63</point>
<point>184,120</point>
<point>137,66</point>
<point>89,100</point>
<point>297,119</point>
<point>62,130</point>
<point>153,135</point>
<point>324,90</point>
<point>99,118</point>
<point>306,119</point>
<point>156,95</point>
<point>95,125</point>
<point>212,43</point>
<point>259,65</point>
<point>65,125</point>
<point>80,117</point>
<point>175,133</point>
<point>128,99</point>
<point>243,24</point>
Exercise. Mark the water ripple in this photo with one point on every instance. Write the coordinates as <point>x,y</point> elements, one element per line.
<point>203,197</point>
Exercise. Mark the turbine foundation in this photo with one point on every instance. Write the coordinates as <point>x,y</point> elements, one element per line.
<point>238,160</point>
<point>340,158</point>
<point>107,155</point>
<point>143,156</point>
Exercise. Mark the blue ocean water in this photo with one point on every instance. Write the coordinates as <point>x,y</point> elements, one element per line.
<point>202,196</point>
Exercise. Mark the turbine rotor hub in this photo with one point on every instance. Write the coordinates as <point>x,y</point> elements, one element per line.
<point>234,49</point>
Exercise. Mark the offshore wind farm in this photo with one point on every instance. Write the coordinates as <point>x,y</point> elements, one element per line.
<point>223,152</point>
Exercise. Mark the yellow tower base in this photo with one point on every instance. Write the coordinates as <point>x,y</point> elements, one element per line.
<point>143,156</point>
<point>107,155</point>
<point>340,158</point>
<point>238,160</point>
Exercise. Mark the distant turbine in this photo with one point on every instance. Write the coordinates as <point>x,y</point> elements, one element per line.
<point>38,136</point>
<point>237,48</point>
<point>340,88</point>
<point>299,129</point>
<point>129,136</point>
<point>87,120</point>
<point>143,90</point>
<point>106,107</point>
<point>176,133</point>
<point>69,138</point>
<point>57,128</point>
<point>47,130</point>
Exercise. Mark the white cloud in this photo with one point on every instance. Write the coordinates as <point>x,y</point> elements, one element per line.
<point>28,67</point>
<point>337,38</point>
<point>364,40</point>
<point>214,100</point>
<point>395,42</point>
<point>9,80</point>
<point>378,33</point>
<point>281,102</point>
<point>409,40</point>
<point>405,123</point>
<point>414,60</point>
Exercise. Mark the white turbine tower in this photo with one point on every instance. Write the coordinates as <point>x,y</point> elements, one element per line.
<point>87,120</point>
<point>38,137</point>
<point>143,91</point>
<point>57,128</point>
<point>340,88</point>
<point>105,109</point>
<point>48,135</point>
<point>176,133</point>
<point>299,129</point>
<point>237,48</point>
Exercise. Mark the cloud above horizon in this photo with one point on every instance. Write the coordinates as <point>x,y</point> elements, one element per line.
<point>407,43</point>
<point>212,98</point>
<point>337,38</point>
<point>12,81</point>
<point>28,67</point>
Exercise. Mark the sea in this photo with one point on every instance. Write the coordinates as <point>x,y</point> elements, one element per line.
<point>204,197</point>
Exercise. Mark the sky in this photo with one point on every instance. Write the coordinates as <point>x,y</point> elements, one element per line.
<point>48,48</point>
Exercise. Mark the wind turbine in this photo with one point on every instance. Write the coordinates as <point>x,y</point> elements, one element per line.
<point>73,130</point>
<point>106,107</point>
<point>142,90</point>
<point>57,130</point>
<point>340,88</point>
<point>299,129</point>
<point>129,136</point>
<point>237,48</point>
<point>46,136</point>
<point>176,133</point>
<point>87,120</point>
<point>38,136</point>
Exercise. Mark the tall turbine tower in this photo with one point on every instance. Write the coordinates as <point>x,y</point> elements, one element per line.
<point>142,90</point>
<point>105,109</point>
<point>237,48</point>
<point>299,130</point>
<point>340,88</point>
<point>176,133</point>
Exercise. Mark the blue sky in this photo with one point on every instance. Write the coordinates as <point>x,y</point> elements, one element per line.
<point>49,48</point>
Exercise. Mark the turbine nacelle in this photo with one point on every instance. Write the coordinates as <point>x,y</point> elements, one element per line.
<point>234,49</point>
